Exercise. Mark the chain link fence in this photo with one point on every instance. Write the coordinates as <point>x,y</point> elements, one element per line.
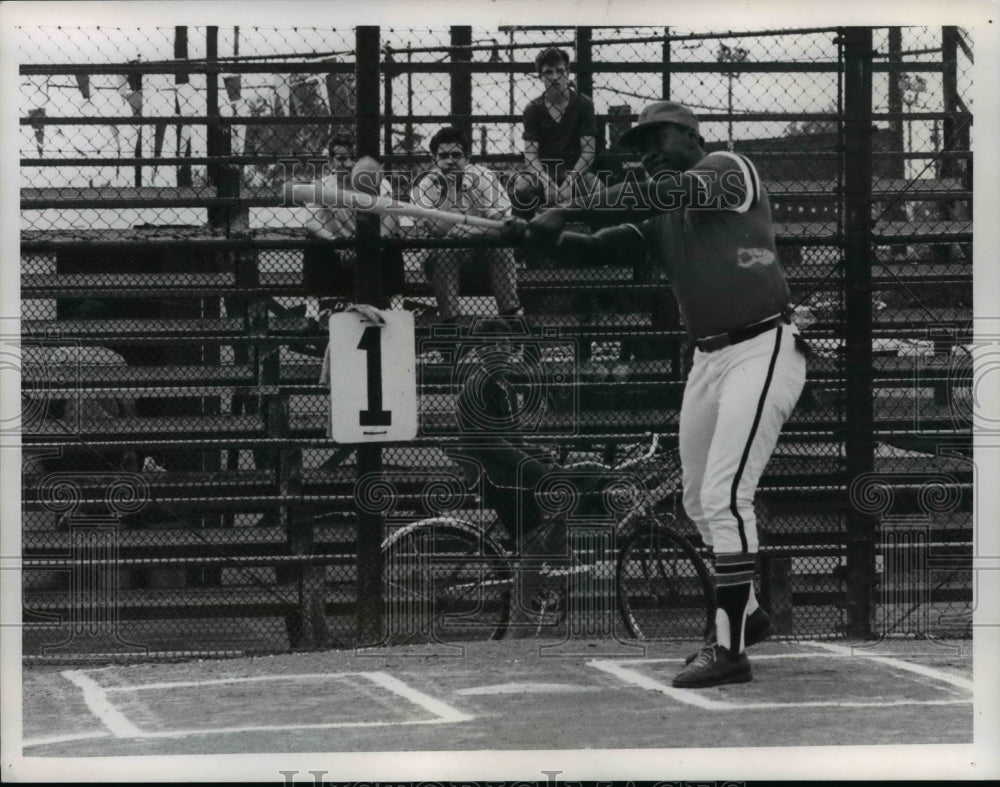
<point>922,341</point>
<point>181,494</point>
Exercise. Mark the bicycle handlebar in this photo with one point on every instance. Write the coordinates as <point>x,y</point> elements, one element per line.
<point>653,445</point>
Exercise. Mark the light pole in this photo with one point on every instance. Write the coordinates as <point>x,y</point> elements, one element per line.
<point>512,129</point>
<point>731,54</point>
<point>409,101</point>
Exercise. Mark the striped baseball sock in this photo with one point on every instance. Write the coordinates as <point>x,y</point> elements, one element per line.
<point>733,589</point>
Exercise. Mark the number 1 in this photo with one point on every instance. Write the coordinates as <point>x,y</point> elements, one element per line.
<point>371,343</point>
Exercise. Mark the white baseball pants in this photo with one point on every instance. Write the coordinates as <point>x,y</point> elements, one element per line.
<point>735,402</point>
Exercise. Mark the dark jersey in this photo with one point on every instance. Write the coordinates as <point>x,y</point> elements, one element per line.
<point>559,143</point>
<point>488,415</point>
<point>490,420</point>
<point>720,259</point>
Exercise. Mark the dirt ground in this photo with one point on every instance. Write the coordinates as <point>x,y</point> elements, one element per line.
<point>524,695</point>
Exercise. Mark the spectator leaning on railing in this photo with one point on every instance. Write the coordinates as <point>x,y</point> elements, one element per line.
<point>330,274</point>
<point>456,185</point>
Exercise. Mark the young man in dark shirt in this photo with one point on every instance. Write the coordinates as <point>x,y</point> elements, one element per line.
<point>560,133</point>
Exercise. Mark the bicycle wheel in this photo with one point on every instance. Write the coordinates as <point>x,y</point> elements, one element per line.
<point>445,580</point>
<point>665,590</point>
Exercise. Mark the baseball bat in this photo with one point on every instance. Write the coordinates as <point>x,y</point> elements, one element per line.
<point>315,193</point>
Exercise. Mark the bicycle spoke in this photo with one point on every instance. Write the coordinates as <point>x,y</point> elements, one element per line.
<point>445,582</point>
<point>665,589</point>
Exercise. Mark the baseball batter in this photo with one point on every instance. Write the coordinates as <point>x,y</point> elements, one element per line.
<point>706,222</point>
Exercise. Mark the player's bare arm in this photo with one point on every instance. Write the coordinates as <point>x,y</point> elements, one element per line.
<point>711,188</point>
<point>611,246</point>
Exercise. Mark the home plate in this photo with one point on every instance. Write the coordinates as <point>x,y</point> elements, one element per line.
<point>527,688</point>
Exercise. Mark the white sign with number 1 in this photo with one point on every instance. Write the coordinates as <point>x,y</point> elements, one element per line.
<point>373,380</point>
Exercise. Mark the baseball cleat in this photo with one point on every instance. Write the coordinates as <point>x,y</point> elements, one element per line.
<point>756,629</point>
<point>714,666</point>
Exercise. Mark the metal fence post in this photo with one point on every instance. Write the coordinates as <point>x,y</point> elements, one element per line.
<point>585,79</point>
<point>388,71</point>
<point>181,78</point>
<point>212,111</point>
<point>461,80</point>
<point>584,61</point>
<point>895,103</point>
<point>230,221</point>
<point>859,440</point>
<point>665,87</point>
<point>371,526</point>
<point>954,137</point>
<point>955,132</point>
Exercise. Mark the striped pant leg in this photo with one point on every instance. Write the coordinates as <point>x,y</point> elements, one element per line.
<point>758,385</point>
<point>699,413</point>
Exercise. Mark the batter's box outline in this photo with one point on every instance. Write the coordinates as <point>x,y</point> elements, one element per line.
<point>620,669</point>
<point>99,703</point>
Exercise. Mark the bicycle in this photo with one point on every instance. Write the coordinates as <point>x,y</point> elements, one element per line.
<point>447,578</point>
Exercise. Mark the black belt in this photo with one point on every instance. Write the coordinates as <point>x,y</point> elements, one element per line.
<point>712,343</point>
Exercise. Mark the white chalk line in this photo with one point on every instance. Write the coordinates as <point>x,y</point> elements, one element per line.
<point>888,661</point>
<point>95,696</point>
<point>526,688</point>
<point>239,730</point>
<point>388,682</point>
<point>445,712</point>
<point>847,704</point>
<point>189,684</point>
<point>97,701</point>
<point>76,736</point>
<point>685,696</point>
<point>289,728</point>
<point>693,697</point>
